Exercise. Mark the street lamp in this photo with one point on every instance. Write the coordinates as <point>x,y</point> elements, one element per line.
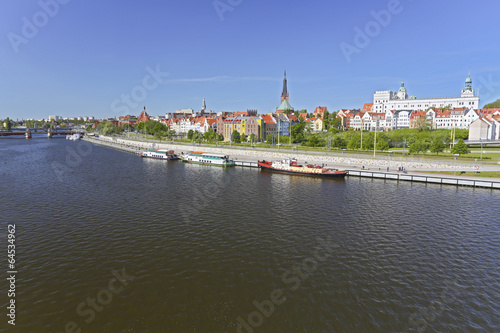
<point>455,172</point>
<point>279,129</point>
<point>389,167</point>
<point>375,138</point>
<point>362,128</point>
<point>481,139</point>
<point>232,130</point>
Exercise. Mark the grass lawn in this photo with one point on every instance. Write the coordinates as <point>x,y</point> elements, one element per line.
<point>493,174</point>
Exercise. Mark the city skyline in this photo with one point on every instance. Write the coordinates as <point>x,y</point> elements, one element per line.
<point>75,59</point>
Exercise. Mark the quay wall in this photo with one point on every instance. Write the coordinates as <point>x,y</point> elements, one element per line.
<point>258,154</point>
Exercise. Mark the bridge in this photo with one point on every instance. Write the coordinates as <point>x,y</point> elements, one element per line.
<point>29,132</point>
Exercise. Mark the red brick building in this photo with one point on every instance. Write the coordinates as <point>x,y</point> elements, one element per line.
<point>144,116</point>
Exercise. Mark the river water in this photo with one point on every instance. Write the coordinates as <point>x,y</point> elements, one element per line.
<point>109,242</point>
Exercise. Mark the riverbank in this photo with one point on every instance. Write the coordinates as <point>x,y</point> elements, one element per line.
<point>254,154</point>
<point>361,167</point>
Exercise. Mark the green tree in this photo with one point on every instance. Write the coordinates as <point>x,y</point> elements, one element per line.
<point>150,127</point>
<point>297,132</point>
<point>197,136</point>
<point>418,146</point>
<point>333,130</point>
<point>336,123</point>
<point>190,134</point>
<point>423,123</point>
<point>272,138</point>
<point>339,142</point>
<point>326,115</point>
<point>353,143</point>
<point>437,145</point>
<point>253,138</point>
<point>127,127</point>
<point>106,128</point>
<point>220,137</point>
<point>159,134</point>
<point>461,134</point>
<point>235,136</point>
<point>368,139</point>
<point>382,145</point>
<point>495,104</point>
<point>460,148</point>
<point>210,135</point>
<point>8,124</point>
<point>170,134</point>
<point>157,126</point>
<point>243,138</point>
<point>119,130</point>
<point>315,140</point>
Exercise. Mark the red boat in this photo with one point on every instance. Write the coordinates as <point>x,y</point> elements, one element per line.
<point>292,167</point>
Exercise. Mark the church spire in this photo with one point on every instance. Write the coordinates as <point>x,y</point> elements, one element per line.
<point>284,93</point>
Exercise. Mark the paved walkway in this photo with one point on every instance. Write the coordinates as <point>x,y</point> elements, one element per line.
<point>341,161</point>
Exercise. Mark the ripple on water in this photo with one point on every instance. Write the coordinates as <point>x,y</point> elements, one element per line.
<point>204,243</point>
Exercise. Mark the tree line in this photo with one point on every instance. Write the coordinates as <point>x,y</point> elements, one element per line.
<point>415,140</point>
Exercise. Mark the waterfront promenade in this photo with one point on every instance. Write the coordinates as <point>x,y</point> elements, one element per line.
<point>348,162</point>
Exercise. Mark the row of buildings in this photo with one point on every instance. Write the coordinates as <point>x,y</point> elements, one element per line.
<point>246,123</point>
<point>398,119</point>
<point>388,111</point>
<point>395,110</point>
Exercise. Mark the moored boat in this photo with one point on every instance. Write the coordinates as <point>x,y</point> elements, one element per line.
<point>291,166</point>
<point>74,137</point>
<point>160,154</point>
<point>208,159</point>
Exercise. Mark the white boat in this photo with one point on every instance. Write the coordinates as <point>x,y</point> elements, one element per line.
<point>208,159</point>
<point>74,137</point>
<point>160,154</point>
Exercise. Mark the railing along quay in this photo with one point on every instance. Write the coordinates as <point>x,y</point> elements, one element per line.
<point>425,179</point>
<point>356,173</point>
<point>247,164</point>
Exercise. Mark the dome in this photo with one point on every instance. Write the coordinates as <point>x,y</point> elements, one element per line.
<point>468,80</point>
<point>402,88</point>
<point>413,97</point>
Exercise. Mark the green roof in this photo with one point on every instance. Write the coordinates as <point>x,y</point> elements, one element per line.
<point>285,106</point>
<point>402,88</point>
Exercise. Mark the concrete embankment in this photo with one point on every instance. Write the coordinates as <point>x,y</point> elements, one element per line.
<point>360,167</point>
<point>249,154</point>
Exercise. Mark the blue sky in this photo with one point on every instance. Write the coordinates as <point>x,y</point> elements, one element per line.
<point>86,57</point>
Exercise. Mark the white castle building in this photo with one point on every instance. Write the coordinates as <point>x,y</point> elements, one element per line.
<point>387,100</point>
